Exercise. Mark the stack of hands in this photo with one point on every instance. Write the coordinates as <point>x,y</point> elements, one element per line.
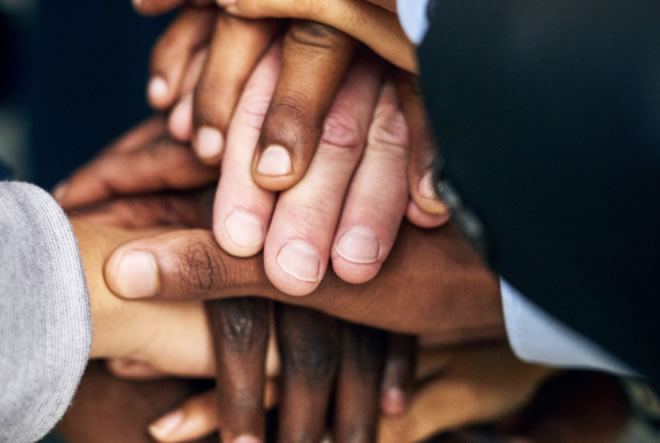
<point>277,228</point>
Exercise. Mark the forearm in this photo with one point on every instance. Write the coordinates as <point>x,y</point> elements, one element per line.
<point>45,325</point>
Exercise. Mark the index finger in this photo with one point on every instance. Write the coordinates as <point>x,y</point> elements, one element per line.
<point>240,329</point>
<point>157,165</point>
<point>315,60</point>
<point>358,383</point>
<point>309,344</point>
<point>420,163</point>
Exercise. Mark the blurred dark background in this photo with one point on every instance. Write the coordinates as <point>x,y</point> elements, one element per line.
<point>72,78</point>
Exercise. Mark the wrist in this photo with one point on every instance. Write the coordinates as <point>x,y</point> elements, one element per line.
<point>95,243</point>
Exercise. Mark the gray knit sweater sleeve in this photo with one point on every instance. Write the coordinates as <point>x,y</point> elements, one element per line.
<point>45,325</point>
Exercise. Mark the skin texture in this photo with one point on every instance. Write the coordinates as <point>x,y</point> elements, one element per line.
<point>454,387</point>
<point>561,411</point>
<point>372,22</point>
<point>455,294</point>
<point>422,153</point>
<point>303,115</point>
<point>130,331</point>
<point>364,139</point>
<point>453,291</point>
<point>240,329</point>
<point>315,60</point>
<point>490,374</point>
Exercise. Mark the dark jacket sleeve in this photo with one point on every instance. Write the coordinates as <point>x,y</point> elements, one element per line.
<point>546,115</point>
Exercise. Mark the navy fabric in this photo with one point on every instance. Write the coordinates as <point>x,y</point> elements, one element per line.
<point>5,172</point>
<point>546,117</point>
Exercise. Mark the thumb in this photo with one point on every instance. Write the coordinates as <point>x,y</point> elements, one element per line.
<point>198,270</point>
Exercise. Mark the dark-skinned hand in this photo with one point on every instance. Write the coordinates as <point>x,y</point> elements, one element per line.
<point>351,354</point>
<point>318,101</point>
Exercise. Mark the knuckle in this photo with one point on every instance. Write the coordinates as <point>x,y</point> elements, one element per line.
<point>291,105</point>
<point>199,269</point>
<point>343,131</point>
<point>243,323</point>
<point>289,122</point>
<point>365,347</point>
<point>245,403</point>
<point>212,103</point>
<point>310,350</point>
<point>253,111</point>
<point>389,127</point>
<point>314,35</point>
<point>315,359</point>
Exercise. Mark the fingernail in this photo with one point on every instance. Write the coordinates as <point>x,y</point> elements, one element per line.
<point>393,401</point>
<point>165,426</point>
<point>359,245</point>
<point>275,160</point>
<point>157,88</point>
<point>244,229</point>
<point>300,260</point>
<point>137,275</point>
<point>60,191</point>
<point>180,122</point>
<point>246,439</point>
<point>425,188</point>
<point>209,142</point>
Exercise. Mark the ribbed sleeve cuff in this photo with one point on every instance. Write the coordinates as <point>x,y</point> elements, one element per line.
<point>45,324</point>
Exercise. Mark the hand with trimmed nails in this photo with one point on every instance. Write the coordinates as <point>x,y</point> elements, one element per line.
<point>431,284</point>
<point>350,203</point>
<point>310,342</point>
<point>315,117</point>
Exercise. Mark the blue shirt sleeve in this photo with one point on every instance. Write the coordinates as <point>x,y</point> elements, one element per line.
<point>537,337</point>
<point>413,18</point>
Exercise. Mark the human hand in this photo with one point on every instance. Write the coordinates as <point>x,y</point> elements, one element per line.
<point>453,387</point>
<point>562,412</point>
<point>130,331</point>
<point>145,160</point>
<point>288,112</point>
<point>310,343</point>
<point>455,295</point>
<point>364,210</point>
<point>372,22</point>
<point>453,292</point>
<point>319,356</point>
<point>239,358</point>
<point>214,54</point>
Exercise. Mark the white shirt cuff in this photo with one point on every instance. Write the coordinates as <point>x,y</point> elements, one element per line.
<point>537,337</point>
<point>413,18</point>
